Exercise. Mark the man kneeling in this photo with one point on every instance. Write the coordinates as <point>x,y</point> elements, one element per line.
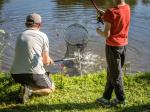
<point>31,54</point>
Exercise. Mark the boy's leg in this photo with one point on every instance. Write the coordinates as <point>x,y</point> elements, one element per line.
<point>108,87</point>
<point>116,72</point>
<point>105,99</point>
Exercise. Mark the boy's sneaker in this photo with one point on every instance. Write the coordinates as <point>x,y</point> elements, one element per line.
<point>104,102</point>
<point>118,103</point>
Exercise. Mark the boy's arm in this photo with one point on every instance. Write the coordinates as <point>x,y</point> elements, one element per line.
<point>106,32</point>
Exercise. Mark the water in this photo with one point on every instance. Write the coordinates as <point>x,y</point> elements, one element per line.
<point>58,14</point>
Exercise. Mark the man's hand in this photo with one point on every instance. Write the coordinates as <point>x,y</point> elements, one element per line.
<point>51,61</point>
<point>46,59</point>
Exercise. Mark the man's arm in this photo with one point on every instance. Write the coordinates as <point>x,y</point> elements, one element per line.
<point>46,59</point>
<point>106,32</point>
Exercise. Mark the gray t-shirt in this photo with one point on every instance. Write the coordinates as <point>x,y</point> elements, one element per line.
<point>28,52</point>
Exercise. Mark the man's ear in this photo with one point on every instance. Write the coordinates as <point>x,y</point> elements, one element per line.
<point>39,25</point>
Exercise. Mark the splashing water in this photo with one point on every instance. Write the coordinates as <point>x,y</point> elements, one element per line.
<point>4,36</point>
<point>87,62</point>
<point>2,44</point>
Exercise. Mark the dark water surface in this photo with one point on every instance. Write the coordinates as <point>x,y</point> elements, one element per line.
<point>58,14</point>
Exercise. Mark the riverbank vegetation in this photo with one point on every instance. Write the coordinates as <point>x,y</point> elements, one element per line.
<point>77,94</point>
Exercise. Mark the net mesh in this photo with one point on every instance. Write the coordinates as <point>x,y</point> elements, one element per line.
<point>76,34</point>
<point>76,37</point>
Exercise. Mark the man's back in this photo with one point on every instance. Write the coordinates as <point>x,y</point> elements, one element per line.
<point>28,56</point>
<point>31,52</point>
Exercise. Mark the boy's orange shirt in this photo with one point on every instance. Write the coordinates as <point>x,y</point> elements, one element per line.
<point>119,18</point>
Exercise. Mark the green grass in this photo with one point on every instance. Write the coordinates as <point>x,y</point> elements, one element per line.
<point>77,94</point>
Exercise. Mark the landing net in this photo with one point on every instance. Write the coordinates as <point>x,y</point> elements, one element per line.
<point>76,34</point>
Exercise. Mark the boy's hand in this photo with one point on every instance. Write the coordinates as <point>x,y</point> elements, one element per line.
<point>99,18</point>
<point>98,30</point>
<point>100,12</point>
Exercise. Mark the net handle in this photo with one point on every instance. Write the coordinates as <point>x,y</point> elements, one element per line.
<point>65,59</point>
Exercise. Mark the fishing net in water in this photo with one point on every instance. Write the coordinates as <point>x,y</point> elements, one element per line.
<point>76,34</point>
<point>76,37</point>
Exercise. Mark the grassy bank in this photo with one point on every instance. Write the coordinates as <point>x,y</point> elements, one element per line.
<point>77,94</point>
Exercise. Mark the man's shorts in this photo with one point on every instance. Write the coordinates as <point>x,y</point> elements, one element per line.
<point>33,80</point>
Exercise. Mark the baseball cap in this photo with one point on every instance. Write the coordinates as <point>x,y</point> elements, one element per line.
<point>33,18</point>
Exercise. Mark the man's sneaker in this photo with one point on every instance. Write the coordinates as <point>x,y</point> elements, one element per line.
<point>118,103</point>
<point>104,102</point>
<point>25,93</point>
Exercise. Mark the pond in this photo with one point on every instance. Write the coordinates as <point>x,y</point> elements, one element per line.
<point>58,14</point>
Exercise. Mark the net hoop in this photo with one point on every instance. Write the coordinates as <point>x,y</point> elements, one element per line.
<point>76,34</point>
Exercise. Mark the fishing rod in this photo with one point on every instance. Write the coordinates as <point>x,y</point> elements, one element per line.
<point>61,65</point>
<point>100,12</point>
<point>96,7</point>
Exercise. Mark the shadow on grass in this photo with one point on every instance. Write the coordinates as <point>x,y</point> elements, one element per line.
<point>139,108</point>
<point>53,107</point>
<point>72,106</point>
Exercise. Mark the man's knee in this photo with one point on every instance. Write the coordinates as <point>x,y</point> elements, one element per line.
<point>50,90</point>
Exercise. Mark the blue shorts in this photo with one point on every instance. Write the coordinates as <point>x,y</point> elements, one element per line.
<point>33,80</point>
